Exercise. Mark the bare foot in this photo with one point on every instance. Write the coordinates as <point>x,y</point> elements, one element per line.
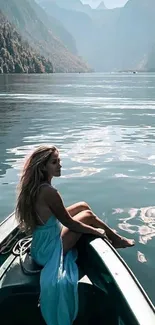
<point>122,242</point>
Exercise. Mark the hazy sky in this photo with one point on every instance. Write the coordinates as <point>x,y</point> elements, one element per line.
<point>108,3</point>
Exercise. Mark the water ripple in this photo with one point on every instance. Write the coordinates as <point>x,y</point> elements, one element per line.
<point>104,127</point>
<point>97,102</point>
<point>145,215</point>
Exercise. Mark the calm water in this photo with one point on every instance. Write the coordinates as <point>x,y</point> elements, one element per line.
<point>104,126</point>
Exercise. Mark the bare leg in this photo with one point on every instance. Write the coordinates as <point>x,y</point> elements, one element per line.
<point>69,238</point>
<point>78,207</point>
<point>117,240</point>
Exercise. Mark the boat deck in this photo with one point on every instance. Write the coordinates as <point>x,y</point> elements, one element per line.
<point>21,294</point>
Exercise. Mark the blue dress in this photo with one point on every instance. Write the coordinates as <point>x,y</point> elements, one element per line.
<point>59,276</point>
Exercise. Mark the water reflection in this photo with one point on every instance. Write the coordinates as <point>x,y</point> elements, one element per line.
<point>145,216</point>
<point>141,257</point>
<point>91,144</point>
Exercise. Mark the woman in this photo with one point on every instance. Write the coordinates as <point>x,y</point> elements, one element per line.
<point>55,231</point>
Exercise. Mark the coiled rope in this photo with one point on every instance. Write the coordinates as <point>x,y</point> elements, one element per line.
<point>19,248</point>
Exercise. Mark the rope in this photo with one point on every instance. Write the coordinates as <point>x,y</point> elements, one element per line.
<point>18,248</point>
<point>8,246</point>
<point>22,247</point>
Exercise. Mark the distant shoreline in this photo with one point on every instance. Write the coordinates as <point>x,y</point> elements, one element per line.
<point>75,72</point>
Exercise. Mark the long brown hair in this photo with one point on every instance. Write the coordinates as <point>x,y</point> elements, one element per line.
<point>34,173</point>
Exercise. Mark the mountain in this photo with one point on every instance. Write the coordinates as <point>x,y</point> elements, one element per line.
<point>149,64</point>
<point>127,36</point>
<point>15,55</point>
<point>134,33</point>
<point>101,6</point>
<point>73,5</point>
<point>109,40</point>
<point>56,27</point>
<point>81,25</point>
<point>92,34</point>
<point>65,31</point>
<point>44,33</point>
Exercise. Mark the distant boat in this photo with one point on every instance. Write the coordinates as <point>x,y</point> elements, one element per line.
<point>109,293</point>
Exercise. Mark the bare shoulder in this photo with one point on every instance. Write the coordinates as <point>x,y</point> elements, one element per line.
<point>52,199</point>
<point>47,191</point>
<point>45,202</point>
<point>49,194</point>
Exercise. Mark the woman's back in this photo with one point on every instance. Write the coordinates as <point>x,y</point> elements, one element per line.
<point>42,209</point>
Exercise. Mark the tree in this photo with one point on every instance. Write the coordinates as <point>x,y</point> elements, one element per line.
<point>16,55</point>
<point>5,68</point>
<point>18,67</point>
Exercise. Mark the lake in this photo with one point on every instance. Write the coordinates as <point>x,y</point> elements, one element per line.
<point>104,126</point>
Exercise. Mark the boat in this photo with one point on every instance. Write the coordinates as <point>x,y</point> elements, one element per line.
<point>109,292</point>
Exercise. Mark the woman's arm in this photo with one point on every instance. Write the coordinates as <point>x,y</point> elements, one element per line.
<point>54,201</point>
